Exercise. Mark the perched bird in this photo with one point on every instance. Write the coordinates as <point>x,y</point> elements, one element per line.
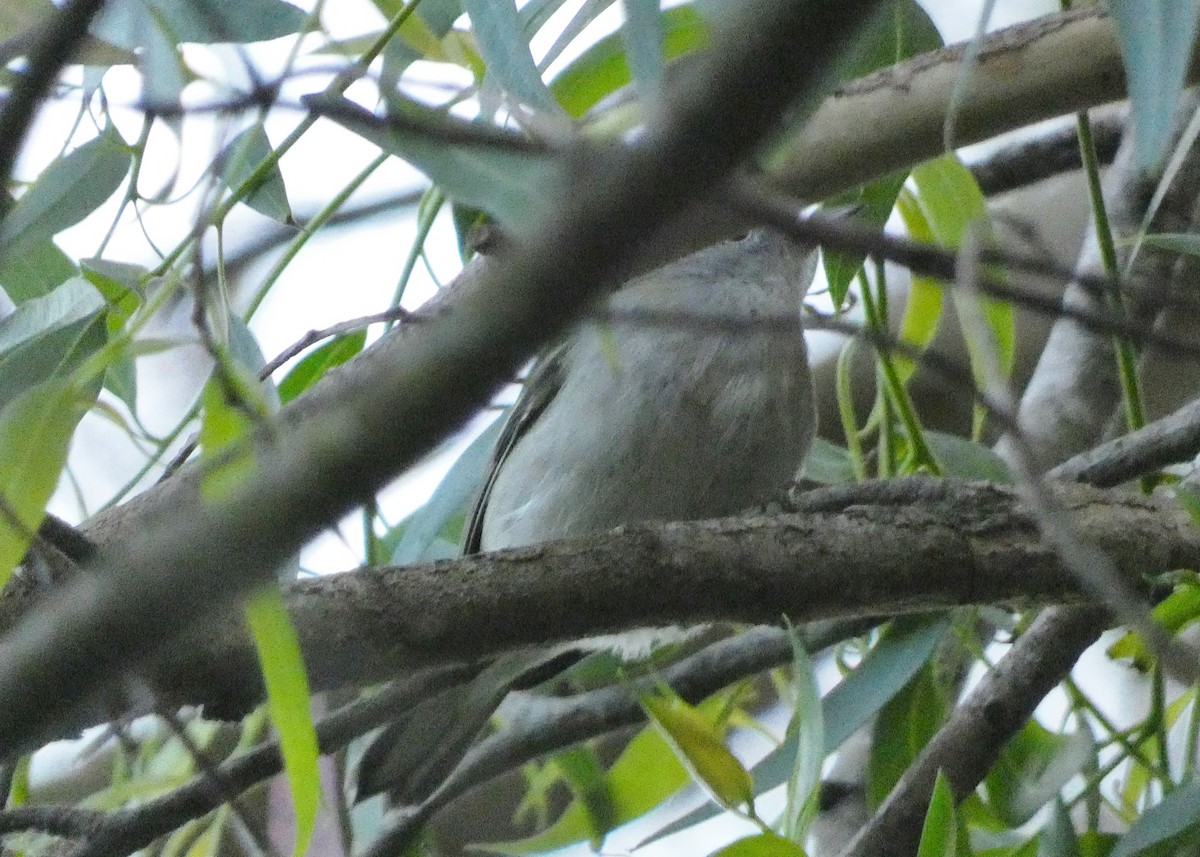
<point>687,396</point>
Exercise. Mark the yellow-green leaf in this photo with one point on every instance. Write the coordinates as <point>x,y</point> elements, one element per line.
<point>288,697</point>
<point>952,203</point>
<point>230,406</point>
<point>701,747</point>
<point>766,844</point>
<point>35,435</point>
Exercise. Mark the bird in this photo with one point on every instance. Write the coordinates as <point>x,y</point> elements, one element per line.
<point>688,396</point>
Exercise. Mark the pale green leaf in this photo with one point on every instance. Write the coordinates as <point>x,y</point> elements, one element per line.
<point>283,672</point>
<point>1171,825</point>
<point>508,184</point>
<point>643,38</point>
<point>66,192</point>
<point>242,159</point>
<point>313,366</point>
<point>126,23</point>
<point>35,435</point>
<point>1157,40</point>
<point>506,52</point>
<point>808,729</point>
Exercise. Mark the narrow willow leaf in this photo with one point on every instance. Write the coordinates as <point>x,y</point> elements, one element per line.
<point>808,729</point>
<point>643,38</point>
<point>35,436</point>
<point>604,68</point>
<point>509,185</point>
<point>939,836</point>
<point>887,668</point>
<point>67,191</point>
<point>35,271</point>
<point>283,672</point>
<point>241,159</point>
<point>1171,825</point>
<point>428,527</point>
<point>701,748</point>
<point>647,772</point>
<point>1157,40</point>
<point>952,203</point>
<point>313,366</point>
<point>126,23</point>
<point>506,52</point>
<point>1032,770</point>
<point>73,301</point>
<point>1058,837</point>
<point>923,308</point>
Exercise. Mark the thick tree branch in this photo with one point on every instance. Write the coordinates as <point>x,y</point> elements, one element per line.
<point>874,549</point>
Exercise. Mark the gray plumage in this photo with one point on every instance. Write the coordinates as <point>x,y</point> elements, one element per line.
<point>704,412</point>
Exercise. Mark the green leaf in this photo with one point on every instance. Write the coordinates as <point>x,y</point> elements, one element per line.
<point>508,184</point>
<point>646,773</point>
<point>581,769</point>
<point>701,748</point>
<point>1032,770</point>
<point>241,159</point>
<point>74,301</point>
<point>35,436</point>
<point>939,836</point>
<point>121,286</point>
<point>231,403</point>
<point>908,31</point>
<point>952,202</point>
<point>604,68</point>
<point>126,23</point>
<point>313,366</point>
<point>807,727</point>
<point>1175,242</point>
<point>1157,41</point>
<point>283,672</point>
<point>765,844</point>
<point>906,646</point>
<point>967,459</point>
<point>36,270</point>
<point>1177,611</point>
<point>66,192</point>
<point>48,337</point>
<point>1058,836</point>
<point>828,463</point>
<point>902,729</point>
<point>506,52</point>
<point>887,669</point>
<point>1172,825</point>
<point>923,308</point>
<point>874,202</point>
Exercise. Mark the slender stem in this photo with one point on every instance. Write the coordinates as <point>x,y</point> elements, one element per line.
<point>1135,411</point>
<point>310,228</point>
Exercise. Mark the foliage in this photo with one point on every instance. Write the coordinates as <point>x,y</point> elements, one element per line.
<point>485,133</point>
